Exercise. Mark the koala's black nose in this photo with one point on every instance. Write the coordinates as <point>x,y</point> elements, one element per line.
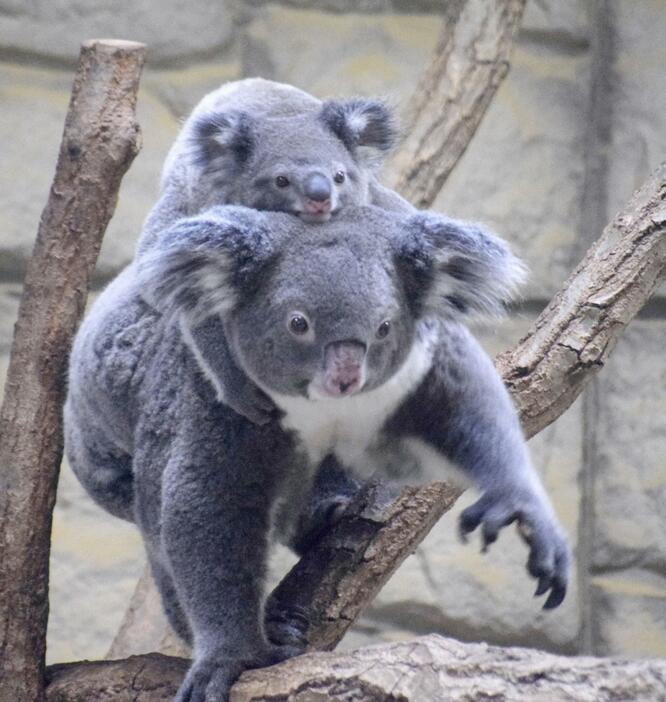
<point>317,187</point>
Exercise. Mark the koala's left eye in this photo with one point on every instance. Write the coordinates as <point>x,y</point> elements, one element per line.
<point>339,177</point>
<point>282,181</point>
<point>384,329</point>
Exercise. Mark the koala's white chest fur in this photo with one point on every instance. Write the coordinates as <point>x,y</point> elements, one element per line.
<point>351,427</point>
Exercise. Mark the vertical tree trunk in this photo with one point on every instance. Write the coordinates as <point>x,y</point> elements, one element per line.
<point>100,140</point>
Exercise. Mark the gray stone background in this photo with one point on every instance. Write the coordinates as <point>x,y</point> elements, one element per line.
<point>578,124</point>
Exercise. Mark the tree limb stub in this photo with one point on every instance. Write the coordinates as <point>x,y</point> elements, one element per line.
<point>100,140</point>
<point>469,64</point>
<point>423,670</point>
<point>571,339</point>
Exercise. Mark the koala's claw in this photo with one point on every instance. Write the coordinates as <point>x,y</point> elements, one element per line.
<point>549,558</point>
<point>286,625</point>
<point>210,679</point>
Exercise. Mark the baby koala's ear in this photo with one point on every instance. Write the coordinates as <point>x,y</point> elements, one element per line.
<point>221,141</point>
<point>365,126</point>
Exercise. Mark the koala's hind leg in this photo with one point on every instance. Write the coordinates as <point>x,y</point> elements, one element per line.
<point>170,602</point>
<point>103,470</point>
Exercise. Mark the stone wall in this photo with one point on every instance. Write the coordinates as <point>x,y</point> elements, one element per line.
<point>577,125</point>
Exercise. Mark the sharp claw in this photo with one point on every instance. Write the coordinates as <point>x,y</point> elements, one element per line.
<point>556,596</point>
<point>543,586</point>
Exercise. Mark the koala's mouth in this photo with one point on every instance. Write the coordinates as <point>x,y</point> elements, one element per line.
<point>310,217</point>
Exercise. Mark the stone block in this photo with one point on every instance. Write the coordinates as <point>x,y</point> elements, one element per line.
<point>173,31</point>
<point>96,560</point>
<point>630,472</point>
<point>629,613</point>
<point>638,100</point>
<point>348,54</point>
<point>33,104</point>
<point>523,171</point>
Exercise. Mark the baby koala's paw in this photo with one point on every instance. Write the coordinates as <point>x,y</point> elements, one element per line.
<point>252,403</point>
<point>550,557</point>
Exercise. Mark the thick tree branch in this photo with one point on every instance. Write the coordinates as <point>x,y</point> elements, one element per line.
<point>428,668</point>
<point>469,64</point>
<point>99,143</point>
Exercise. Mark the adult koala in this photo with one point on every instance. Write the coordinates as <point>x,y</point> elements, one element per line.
<point>271,146</point>
<point>353,328</point>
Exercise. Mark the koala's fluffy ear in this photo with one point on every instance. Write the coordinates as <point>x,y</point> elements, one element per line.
<point>366,127</point>
<point>221,141</point>
<point>205,264</point>
<point>453,268</point>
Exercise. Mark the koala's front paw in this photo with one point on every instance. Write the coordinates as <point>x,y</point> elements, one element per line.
<point>252,403</point>
<point>210,678</point>
<point>550,558</point>
<point>286,624</point>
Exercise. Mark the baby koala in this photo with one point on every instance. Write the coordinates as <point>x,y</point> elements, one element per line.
<point>270,146</point>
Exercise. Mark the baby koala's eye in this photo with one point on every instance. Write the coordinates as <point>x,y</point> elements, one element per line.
<point>339,177</point>
<point>384,329</point>
<point>298,324</point>
<point>282,181</point>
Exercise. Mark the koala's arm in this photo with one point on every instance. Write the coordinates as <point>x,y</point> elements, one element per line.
<point>209,344</point>
<point>464,412</point>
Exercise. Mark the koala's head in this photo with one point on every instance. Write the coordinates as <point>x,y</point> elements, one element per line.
<point>310,164</point>
<point>332,310</point>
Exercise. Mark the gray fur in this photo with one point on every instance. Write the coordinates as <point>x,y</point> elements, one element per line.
<point>209,488</point>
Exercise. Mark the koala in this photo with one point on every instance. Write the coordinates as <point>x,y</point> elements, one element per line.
<point>270,146</point>
<point>355,330</point>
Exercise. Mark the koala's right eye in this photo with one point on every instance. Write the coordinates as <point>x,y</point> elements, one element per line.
<point>282,181</point>
<point>298,324</point>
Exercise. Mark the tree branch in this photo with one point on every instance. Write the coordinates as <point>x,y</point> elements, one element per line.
<point>99,142</point>
<point>575,334</point>
<point>469,64</point>
<point>428,668</point>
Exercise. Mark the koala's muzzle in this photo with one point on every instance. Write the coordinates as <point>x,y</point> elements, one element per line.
<point>344,369</point>
<point>317,189</point>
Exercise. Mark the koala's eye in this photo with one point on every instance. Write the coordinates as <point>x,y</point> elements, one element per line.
<point>282,181</point>
<point>298,324</point>
<point>384,329</point>
<point>339,177</point>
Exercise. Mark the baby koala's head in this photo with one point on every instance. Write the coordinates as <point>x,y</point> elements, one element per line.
<point>310,163</point>
<point>327,311</point>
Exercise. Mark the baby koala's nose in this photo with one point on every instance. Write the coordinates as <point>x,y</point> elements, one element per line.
<point>317,187</point>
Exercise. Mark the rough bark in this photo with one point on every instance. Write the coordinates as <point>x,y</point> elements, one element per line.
<point>469,63</point>
<point>427,669</point>
<point>99,143</point>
